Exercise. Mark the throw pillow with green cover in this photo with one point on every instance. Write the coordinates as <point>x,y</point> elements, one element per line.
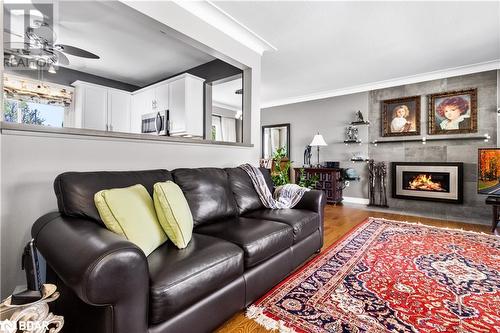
<point>173,213</point>
<point>130,212</point>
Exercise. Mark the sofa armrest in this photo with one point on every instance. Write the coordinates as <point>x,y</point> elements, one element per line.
<point>102,268</point>
<point>314,200</point>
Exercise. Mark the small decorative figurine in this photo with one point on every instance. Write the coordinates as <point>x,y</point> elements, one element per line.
<point>359,117</point>
<point>352,133</point>
<point>307,156</point>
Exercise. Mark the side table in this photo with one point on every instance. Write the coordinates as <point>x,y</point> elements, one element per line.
<point>32,317</point>
<point>495,202</point>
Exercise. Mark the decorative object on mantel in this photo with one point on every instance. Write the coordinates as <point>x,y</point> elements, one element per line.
<point>453,112</point>
<point>36,314</point>
<point>401,116</point>
<point>486,138</point>
<point>359,120</point>
<point>318,141</point>
<point>377,183</point>
<point>382,276</point>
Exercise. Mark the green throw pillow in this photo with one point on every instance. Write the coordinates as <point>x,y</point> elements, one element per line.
<point>173,212</point>
<point>130,212</point>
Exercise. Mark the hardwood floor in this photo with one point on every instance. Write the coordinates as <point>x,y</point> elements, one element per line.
<point>338,221</point>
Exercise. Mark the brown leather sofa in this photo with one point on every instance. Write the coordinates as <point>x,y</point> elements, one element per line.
<point>239,251</point>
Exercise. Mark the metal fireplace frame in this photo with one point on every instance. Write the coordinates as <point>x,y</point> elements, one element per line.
<point>460,189</point>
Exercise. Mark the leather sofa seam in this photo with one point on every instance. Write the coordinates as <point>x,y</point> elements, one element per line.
<point>165,288</point>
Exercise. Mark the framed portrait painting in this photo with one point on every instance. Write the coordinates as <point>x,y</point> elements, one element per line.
<point>453,112</point>
<point>401,116</point>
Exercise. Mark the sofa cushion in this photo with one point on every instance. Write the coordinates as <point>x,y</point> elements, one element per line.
<point>244,192</point>
<point>207,192</point>
<point>173,213</point>
<point>75,190</point>
<point>180,278</point>
<point>130,212</point>
<point>304,222</point>
<point>259,239</point>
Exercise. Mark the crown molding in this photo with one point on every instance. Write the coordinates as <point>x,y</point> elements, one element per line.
<point>223,21</point>
<point>441,74</point>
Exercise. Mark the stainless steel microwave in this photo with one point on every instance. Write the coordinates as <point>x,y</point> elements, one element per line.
<point>156,123</point>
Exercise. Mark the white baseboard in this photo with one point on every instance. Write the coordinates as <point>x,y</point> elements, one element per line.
<point>361,201</point>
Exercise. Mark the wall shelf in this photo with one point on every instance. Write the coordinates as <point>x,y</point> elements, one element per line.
<point>350,142</point>
<point>358,123</point>
<point>486,137</point>
<point>354,160</point>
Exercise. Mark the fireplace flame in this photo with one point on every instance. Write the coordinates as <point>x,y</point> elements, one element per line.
<point>424,182</point>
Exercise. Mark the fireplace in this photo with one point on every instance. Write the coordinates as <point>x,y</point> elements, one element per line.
<point>442,182</point>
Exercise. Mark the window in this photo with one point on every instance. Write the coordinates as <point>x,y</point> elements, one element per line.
<point>19,111</point>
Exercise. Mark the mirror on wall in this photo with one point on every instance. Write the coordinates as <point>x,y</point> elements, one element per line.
<point>102,65</point>
<point>274,137</point>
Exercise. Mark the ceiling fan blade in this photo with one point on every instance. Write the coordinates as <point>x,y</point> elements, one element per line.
<point>75,51</point>
<point>61,58</point>
<point>8,31</point>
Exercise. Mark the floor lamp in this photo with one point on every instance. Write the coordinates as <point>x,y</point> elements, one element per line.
<point>318,141</point>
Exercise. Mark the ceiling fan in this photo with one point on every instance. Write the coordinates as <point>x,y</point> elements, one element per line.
<point>38,46</point>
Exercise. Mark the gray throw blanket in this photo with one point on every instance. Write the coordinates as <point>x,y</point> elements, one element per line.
<point>285,196</point>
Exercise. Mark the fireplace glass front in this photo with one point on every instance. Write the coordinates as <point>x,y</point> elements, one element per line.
<point>426,181</point>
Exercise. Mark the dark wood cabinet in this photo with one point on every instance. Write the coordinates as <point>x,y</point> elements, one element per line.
<point>330,182</point>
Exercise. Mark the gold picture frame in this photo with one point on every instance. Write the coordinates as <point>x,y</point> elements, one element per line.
<point>401,116</point>
<point>453,112</point>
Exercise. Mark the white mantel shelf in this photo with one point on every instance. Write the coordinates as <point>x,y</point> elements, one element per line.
<point>7,128</point>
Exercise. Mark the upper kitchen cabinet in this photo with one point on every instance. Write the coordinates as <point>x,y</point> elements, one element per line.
<point>186,106</point>
<point>182,96</point>
<point>101,108</point>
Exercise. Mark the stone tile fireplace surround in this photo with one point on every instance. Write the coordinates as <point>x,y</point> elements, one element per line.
<point>473,208</point>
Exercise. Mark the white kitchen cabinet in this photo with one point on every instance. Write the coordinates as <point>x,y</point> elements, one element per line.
<point>142,103</point>
<point>162,96</point>
<point>95,106</point>
<point>101,108</point>
<point>119,111</point>
<point>181,95</point>
<point>186,106</point>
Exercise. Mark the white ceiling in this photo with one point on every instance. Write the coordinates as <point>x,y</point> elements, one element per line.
<point>131,45</point>
<point>324,46</point>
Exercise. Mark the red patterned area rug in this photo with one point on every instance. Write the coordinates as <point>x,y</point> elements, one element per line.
<point>389,276</point>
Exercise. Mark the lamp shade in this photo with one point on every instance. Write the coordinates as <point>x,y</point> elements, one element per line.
<point>318,141</point>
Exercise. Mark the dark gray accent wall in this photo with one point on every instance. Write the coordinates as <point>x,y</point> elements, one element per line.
<point>66,77</point>
<point>330,117</point>
<point>211,71</point>
<point>473,209</point>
